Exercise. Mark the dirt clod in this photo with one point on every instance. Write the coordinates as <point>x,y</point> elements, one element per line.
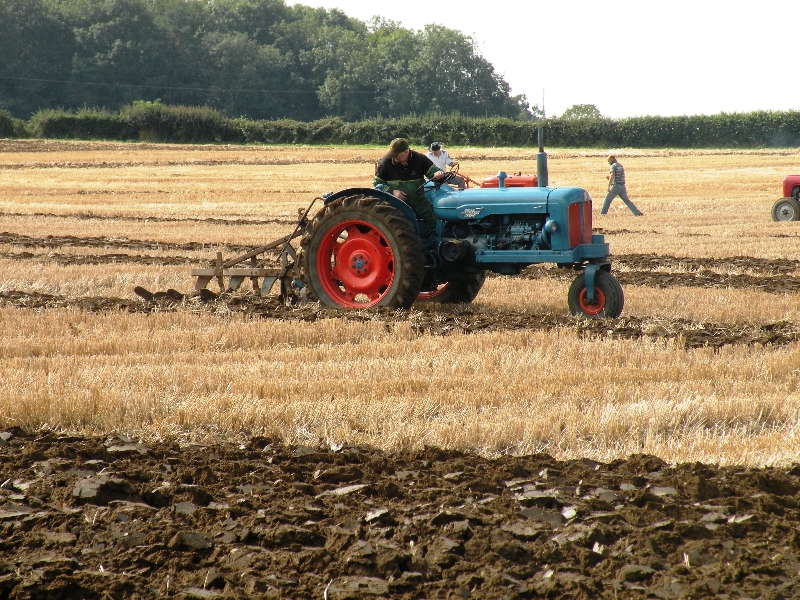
<point>271,521</point>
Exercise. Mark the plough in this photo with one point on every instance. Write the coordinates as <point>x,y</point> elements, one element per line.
<point>235,272</point>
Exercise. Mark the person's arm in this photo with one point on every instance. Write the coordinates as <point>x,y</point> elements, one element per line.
<point>385,186</point>
<point>379,183</point>
<point>433,171</point>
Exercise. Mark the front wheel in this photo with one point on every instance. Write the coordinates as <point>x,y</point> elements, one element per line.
<point>608,297</point>
<point>359,252</point>
<point>462,291</point>
<point>786,209</point>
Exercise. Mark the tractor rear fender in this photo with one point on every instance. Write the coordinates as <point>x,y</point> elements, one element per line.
<point>372,192</point>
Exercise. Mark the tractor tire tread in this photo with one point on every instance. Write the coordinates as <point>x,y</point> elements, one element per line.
<point>790,202</point>
<point>608,284</point>
<point>460,292</point>
<point>412,263</point>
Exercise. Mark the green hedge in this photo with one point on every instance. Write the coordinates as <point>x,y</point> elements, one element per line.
<point>86,124</point>
<point>9,126</point>
<point>149,121</point>
<point>155,122</point>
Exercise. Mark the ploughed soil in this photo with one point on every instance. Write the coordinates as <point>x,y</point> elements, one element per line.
<point>117,517</point>
<point>120,518</point>
<point>739,272</point>
<point>434,320</point>
<point>742,272</point>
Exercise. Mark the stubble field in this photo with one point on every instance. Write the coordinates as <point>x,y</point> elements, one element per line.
<point>700,367</point>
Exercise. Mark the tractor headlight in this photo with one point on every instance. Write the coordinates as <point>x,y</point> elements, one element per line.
<point>551,226</point>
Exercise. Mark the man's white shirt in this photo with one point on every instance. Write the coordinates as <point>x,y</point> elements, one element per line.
<point>442,160</point>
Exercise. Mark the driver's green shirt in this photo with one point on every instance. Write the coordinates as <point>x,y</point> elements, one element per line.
<point>391,175</point>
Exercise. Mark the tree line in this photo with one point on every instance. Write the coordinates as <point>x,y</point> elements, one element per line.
<point>156,122</point>
<point>258,59</point>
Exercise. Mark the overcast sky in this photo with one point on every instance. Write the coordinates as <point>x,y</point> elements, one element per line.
<point>629,57</point>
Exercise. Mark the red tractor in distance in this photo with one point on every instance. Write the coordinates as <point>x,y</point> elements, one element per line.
<point>788,207</point>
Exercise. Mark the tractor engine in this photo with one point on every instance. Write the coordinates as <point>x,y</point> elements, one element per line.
<point>507,229</point>
<point>495,232</point>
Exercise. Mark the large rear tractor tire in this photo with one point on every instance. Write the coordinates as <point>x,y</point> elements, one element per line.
<point>786,209</point>
<point>360,252</point>
<point>608,297</point>
<point>463,291</point>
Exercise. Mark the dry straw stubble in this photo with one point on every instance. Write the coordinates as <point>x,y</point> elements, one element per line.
<point>337,380</point>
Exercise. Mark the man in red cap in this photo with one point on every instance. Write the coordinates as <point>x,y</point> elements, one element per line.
<point>401,172</point>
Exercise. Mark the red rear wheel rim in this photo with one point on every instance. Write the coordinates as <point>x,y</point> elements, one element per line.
<point>595,307</point>
<point>355,264</point>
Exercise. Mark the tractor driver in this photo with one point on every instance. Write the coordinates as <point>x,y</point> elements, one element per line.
<point>401,172</point>
<point>442,159</point>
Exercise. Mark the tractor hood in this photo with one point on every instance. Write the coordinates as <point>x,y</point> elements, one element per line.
<point>475,204</point>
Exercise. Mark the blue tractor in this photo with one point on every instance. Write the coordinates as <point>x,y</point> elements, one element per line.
<point>366,248</point>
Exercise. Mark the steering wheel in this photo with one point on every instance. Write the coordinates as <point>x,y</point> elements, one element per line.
<point>448,175</point>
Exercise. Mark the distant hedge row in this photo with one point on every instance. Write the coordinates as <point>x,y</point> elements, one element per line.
<point>160,123</point>
<point>10,127</point>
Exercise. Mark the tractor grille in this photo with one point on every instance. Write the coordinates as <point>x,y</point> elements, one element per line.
<point>580,223</point>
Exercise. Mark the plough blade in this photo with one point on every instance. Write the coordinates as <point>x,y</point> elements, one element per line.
<point>235,270</point>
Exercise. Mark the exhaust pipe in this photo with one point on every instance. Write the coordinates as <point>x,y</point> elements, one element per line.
<point>541,162</point>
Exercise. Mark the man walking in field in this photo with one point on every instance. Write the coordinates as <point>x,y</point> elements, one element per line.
<point>401,172</point>
<point>616,187</point>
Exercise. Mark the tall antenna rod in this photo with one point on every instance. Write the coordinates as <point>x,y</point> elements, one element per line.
<point>543,114</point>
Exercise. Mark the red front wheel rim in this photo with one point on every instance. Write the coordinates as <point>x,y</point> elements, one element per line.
<point>355,264</point>
<point>592,308</point>
<point>431,294</point>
